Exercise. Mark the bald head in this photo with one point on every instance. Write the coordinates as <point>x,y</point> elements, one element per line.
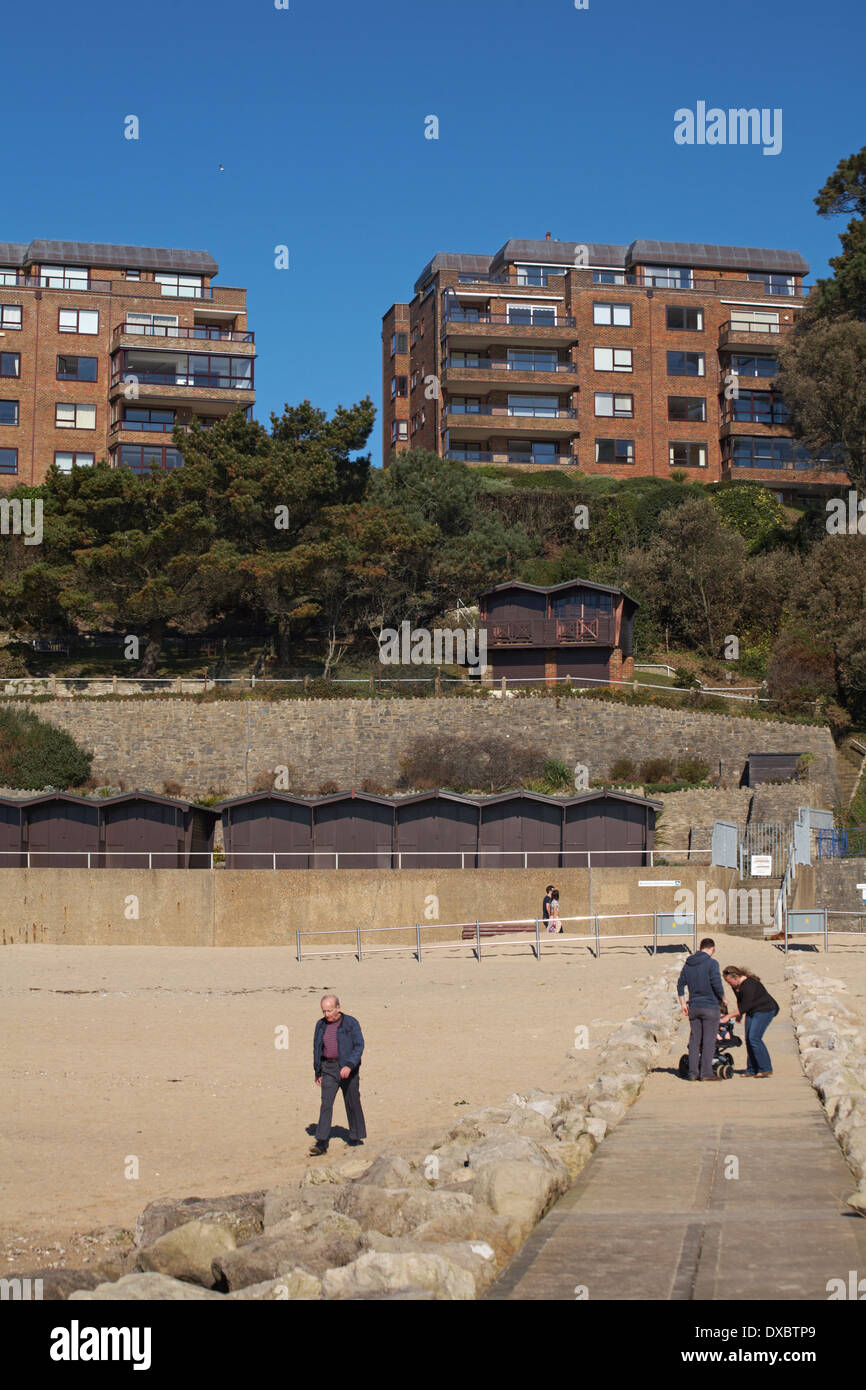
<point>330,1008</point>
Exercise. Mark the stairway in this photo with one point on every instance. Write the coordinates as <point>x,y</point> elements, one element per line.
<point>849,764</point>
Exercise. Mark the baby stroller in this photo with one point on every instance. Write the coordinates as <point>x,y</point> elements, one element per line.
<point>723,1062</point>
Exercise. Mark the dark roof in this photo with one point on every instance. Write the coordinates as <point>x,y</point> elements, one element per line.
<point>453,260</point>
<point>12,252</point>
<point>352,796</point>
<point>714,257</point>
<point>77,800</point>
<point>430,795</point>
<point>248,797</point>
<point>603,792</point>
<point>599,253</point>
<point>97,253</point>
<point>554,588</point>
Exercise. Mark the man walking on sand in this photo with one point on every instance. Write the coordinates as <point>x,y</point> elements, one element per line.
<point>337,1046</point>
<point>703,979</point>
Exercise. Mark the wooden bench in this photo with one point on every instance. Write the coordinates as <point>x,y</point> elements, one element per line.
<point>467,932</point>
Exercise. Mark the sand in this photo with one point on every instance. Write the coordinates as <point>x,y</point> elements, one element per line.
<point>167,1057</point>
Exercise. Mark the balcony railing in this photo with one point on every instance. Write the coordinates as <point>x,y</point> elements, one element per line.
<point>502,457</point>
<point>731,328</point>
<point>638,281</point>
<point>56,282</point>
<point>196,379</point>
<point>491,364</point>
<point>151,426</point>
<point>186,291</point>
<point>174,330</point>
<point>533,412</point>
<point>554,321</point>
<point>550,632</point>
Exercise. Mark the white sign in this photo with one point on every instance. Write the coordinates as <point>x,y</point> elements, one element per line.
<point>862,887</point>
<point>762,865</point>
<point>658,883</point>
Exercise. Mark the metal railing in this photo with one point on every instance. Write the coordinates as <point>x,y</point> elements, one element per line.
<point>272,861</point>
<point>551,321</point>
<point>483,456</point>
<point>842,844</point>
<point>500,365</point>
<point>210,380</point>
<point>541,412</point>
<point>664,927</point>
<point>757,325</point>
<point>174,330</point>
<point>58,282</point>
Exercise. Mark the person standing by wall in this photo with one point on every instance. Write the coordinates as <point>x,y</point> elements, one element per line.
<point>702,978</point>
<point>759,1008</point>
<point>337,1047</point>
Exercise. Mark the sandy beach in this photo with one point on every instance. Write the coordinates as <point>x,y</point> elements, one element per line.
<point>168,1057</point>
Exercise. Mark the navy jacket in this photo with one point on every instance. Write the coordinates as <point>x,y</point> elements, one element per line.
<point>704,979</point>
<point>350,1043</point>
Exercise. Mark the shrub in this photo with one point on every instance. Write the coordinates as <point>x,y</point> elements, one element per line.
<point>692,770</point>
<point>34,755</point>
<point>328,789</point>
<point>172,789</point>
<point>656,770</point>
<point>375,788</point>
<point>623,770</point>
<point>557,775</point>
<point>467,764</point>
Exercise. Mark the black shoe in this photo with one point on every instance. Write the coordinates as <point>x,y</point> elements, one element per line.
<point>318,1149</point>
<point>354,1143</point>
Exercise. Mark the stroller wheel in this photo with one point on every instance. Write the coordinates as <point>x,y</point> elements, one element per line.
<point>727,1071</point>
<point>684,1065</point>
<point>726,1058</point>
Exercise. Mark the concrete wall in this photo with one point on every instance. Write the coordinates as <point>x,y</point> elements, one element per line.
<point>202,746</point>
<point>77,907</point>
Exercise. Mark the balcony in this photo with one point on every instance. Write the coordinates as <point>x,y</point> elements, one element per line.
<point>519,422</point>
<point>56,282</point>
<point>550,632</point>
<point>492,370</point>
<point>128,334</point>
<point>750,333</point>
<point>558,330</point>
<point>503,458</point>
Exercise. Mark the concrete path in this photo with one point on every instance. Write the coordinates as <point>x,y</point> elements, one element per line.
<point>655,1216</point>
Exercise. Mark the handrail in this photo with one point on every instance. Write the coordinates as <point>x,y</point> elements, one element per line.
<point>205,332</point>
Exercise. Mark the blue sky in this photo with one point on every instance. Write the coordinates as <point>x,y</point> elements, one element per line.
<point>552,119</point>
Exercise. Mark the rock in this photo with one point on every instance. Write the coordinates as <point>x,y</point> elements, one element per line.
<point>477,1257</point>
<point>518,1180</point>
<point>611,1111</point>
<point>319,1177</point>
<point>490,1120</point>
<point>280,1202</point>
<point>378,1272</point>
<point>145,1288</point>
<point>391,1169</point>
<point>596,1128</point>
<point>312,1241</point>
<point>188,1252</point>
<point>858,1200</point>
<point>243,1213</point>
<point>575,1154</point>
<point>396,1211</point>
<point>297,1284</point>
<point>58,1284</point>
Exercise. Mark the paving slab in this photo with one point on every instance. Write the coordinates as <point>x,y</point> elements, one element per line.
<point>723,1191</point>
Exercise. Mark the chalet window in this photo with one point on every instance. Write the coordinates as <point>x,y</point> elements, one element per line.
<point>10,315</point>
<point>608,403</point>
<point>687,407</point>
<point>612,359</point>
<point>10,364</point>
<point>686,364</point>
<point>683,454</point>
<point>616,315</point>
<point>614,451</point>
<point>684,320</point>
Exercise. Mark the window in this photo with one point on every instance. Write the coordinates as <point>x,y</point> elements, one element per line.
<point>140,418</point>
<point>538,274</point>
<point>423,415</point>
<point>76,368</point>
<point>669,277</point>
<point>132,274</point>
<point>774,284</point>
<point>533,405</point>
<point>68,416</point>
<point>762,451</point>
<point>607,403</point>
<point>614,451</point>
<point>465,359</point>
<point>612,359</point>
<point>398,343</point>
<point>10,364</point>
<point>414,336</point>
<point>531,451</point>
<point>686,364</point>
<point>180,286</point>
<point>69,277</point>
<point>393,431</point>
<point>608,277</point>
<point>399,386</point>
<point>67,461</point>
<point>10,315</point>
<point>155,325</point>
<point>532,313</point>
<point>684,320</point>
<point>761,407</point>
<point>8,276</point>
<point>687,455</point>
<point>8,460</point>
<point>755,320</point>
<point>687,407</point>
<point>465,405</point>
<point>528,360</point>
<point>78,321</point>
<point>748,364</point>
<point>141,458</point>
<point>8,412</point>
<point>617,315</point>
<point>402,429</point>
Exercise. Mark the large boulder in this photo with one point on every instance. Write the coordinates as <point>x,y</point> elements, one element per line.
<point>145,1288</point>
<point>397,1211</point>
<point>575,1154</point>
<point>312,1241</point>
<point>518,1180</point>
<point>188,1252</point>
<point>379,1273</point>
<point>58,1284</point>
<point>477,1257</point>
<point>297,1284</point>
<point>243,1213</point>
<point>280,1202</point>
<point>391,1169</point>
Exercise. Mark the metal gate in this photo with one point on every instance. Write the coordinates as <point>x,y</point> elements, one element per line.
<point>725,841</point>
<point>771,837</point>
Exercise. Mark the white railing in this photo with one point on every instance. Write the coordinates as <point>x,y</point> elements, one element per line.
<point>218,859</point>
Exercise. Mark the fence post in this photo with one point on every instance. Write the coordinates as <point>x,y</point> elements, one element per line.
<point>597,939</point>
<point>503,684</point>
<point>88,859</point>
<point>150,860</point>
<point>275,863</point>
<point>655,932</point>
<point>298,939</point>
<point>537,941</point>
<point>478,938</point>
<point>438,680</point>
<point>359,942</point>
<point>525,865</point>
<point>418,941</point>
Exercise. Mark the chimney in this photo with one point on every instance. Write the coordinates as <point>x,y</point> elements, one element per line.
<point>548,236</point>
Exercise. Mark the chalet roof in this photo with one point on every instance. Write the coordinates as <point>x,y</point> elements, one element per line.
<point>100,253</point>
<point>709,255</point>
<point>556,588</point>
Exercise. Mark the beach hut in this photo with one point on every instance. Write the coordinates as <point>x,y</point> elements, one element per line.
<point>616,828</point>
<point>353,830</point>
<point>519,830</point>
<point>61,830</point>
<point>141,830</point>
<point>11,835</point>
<point>436,830</point>
<point>266,830</point>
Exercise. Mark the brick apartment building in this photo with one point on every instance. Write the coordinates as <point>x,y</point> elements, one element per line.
<point>619,360</point>
<point>104,349</point>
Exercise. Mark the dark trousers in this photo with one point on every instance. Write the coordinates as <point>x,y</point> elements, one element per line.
<point>332,1082</point>
<point>703,1028</point>
<point>756,1051</point>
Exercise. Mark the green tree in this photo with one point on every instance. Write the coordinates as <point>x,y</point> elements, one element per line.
<point>823,380</point>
